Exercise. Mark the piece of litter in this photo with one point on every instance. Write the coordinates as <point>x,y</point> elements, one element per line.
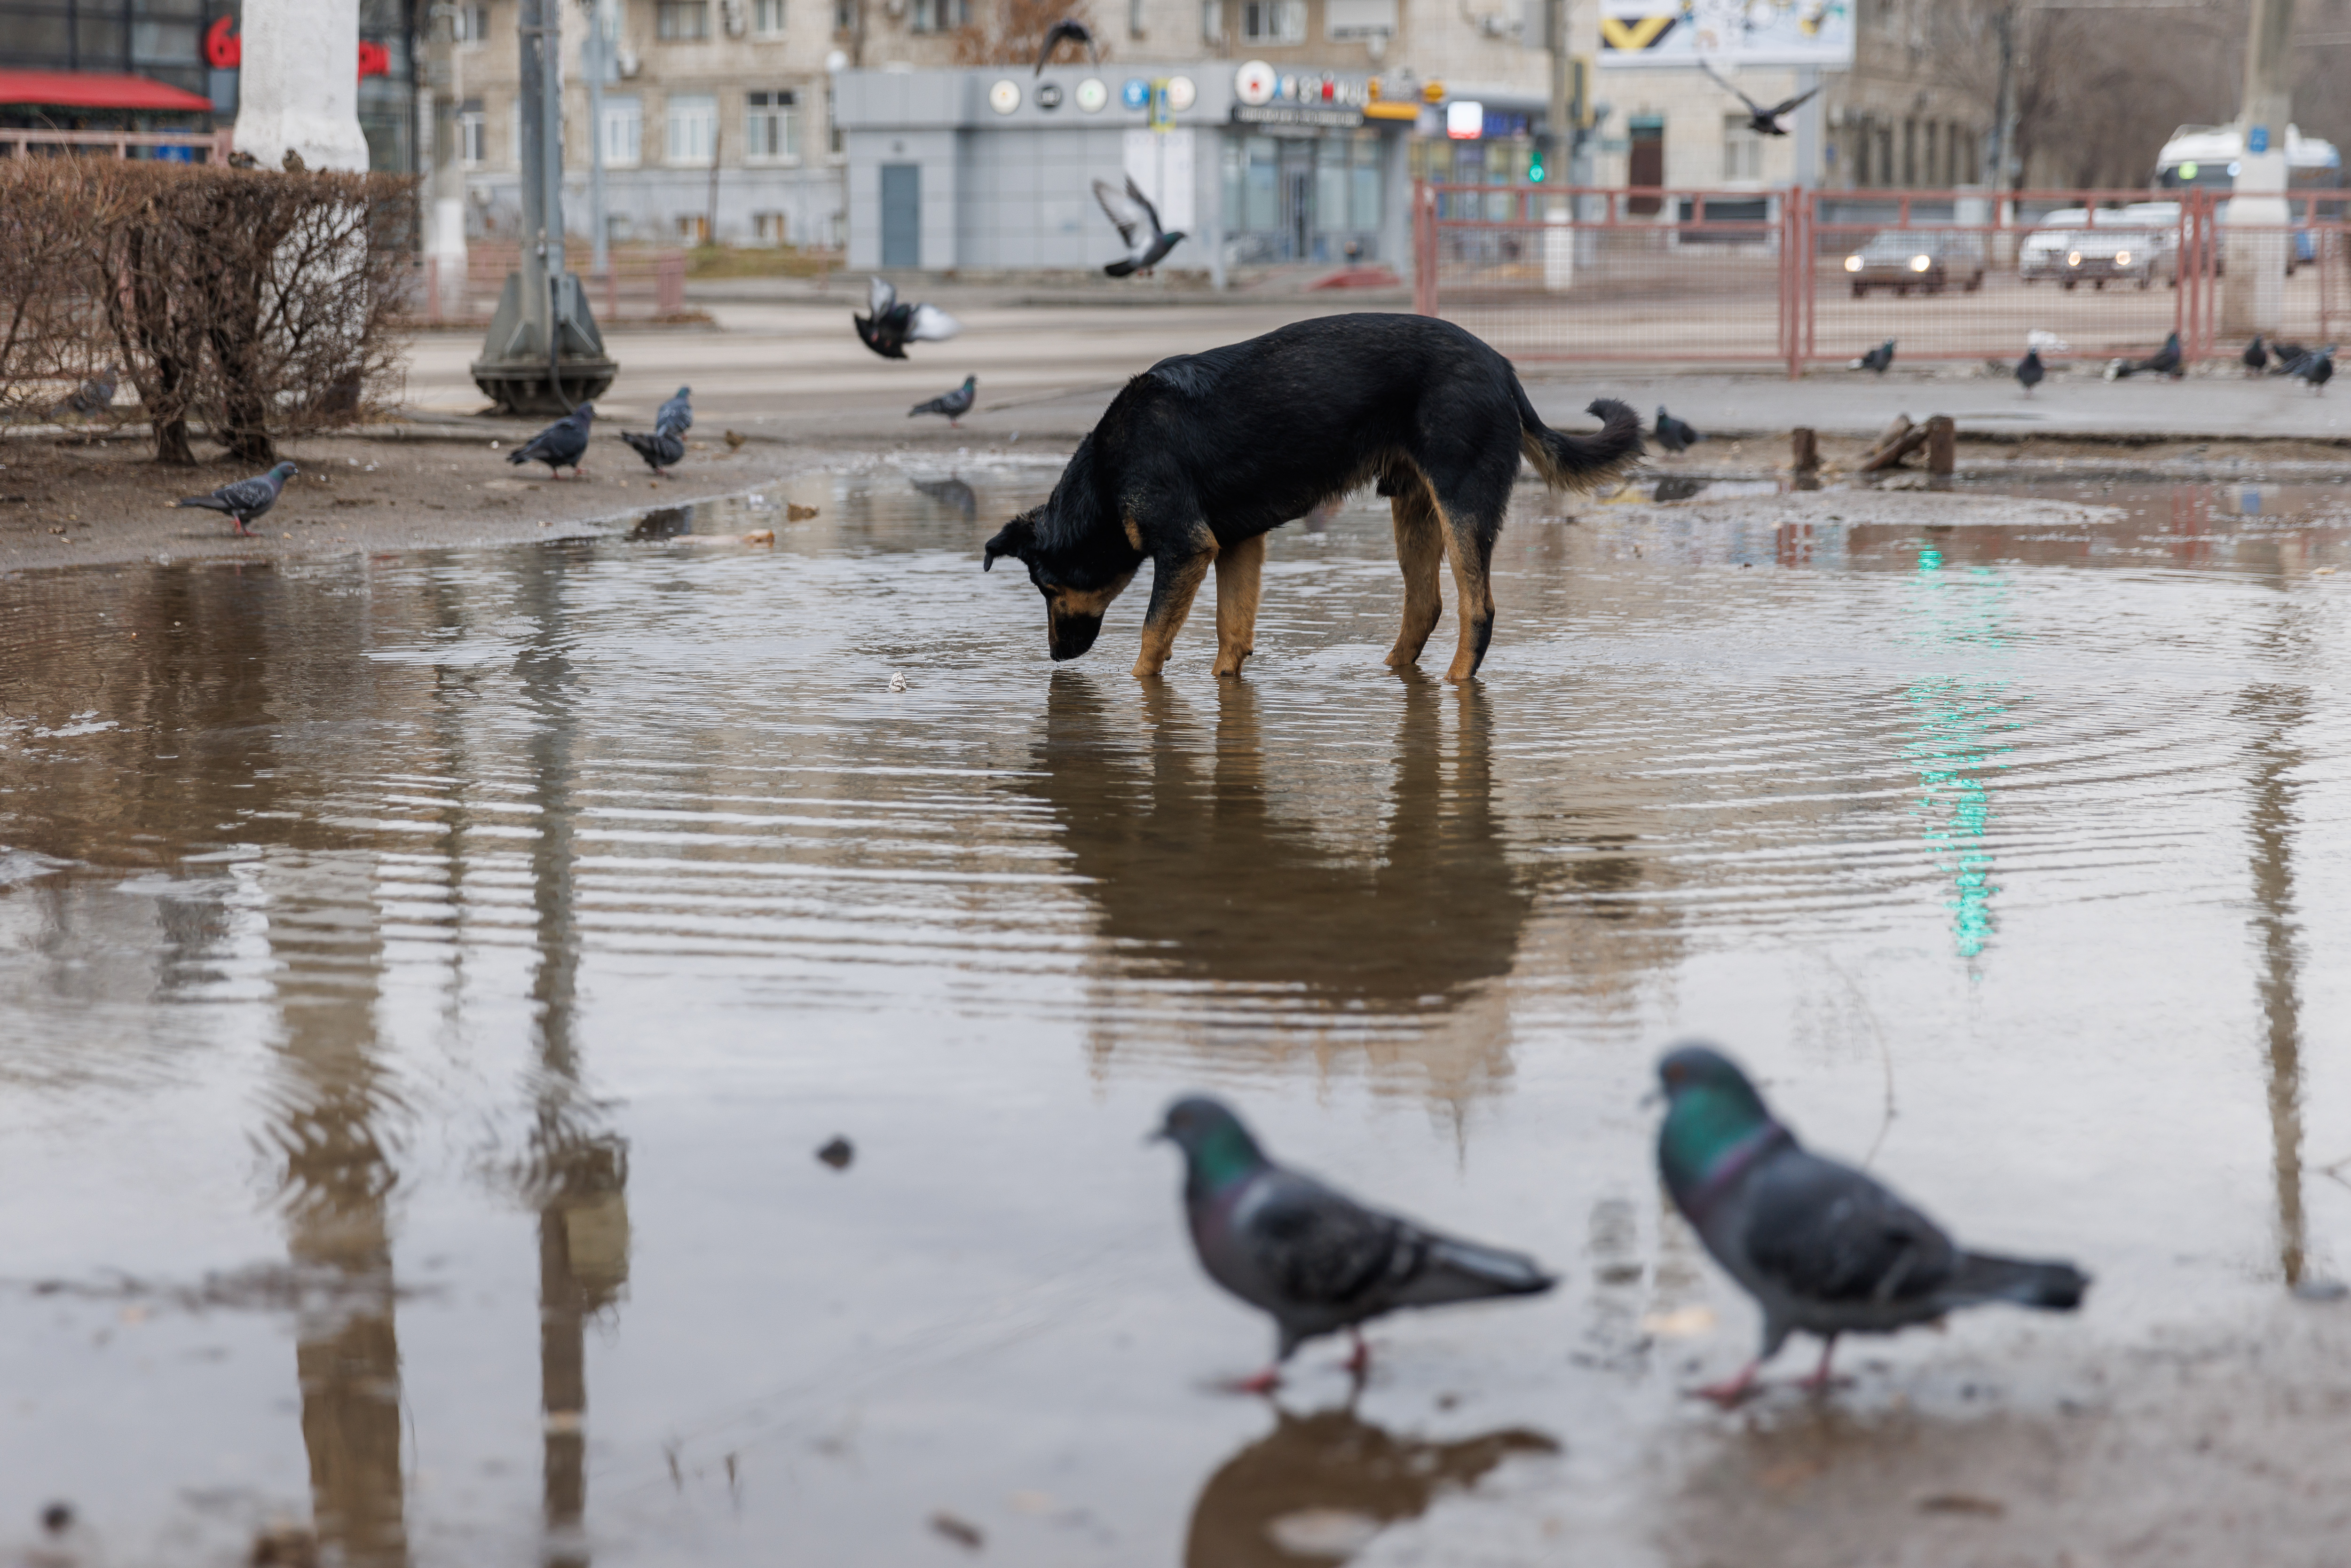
<point>1962,1502</point>
<point>837,1154</point>
<point>1686,1323</point>
<point>1327,1533</point>
<point>962,1531</point>
<point>797,513</point>
<point>897,680</point>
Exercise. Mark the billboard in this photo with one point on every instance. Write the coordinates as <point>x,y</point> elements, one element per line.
<point>1726,32</point>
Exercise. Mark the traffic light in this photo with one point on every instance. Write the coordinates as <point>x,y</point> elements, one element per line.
<point>1535,164</point>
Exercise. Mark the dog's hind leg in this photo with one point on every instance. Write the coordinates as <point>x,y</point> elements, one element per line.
<point>1420,547</point>
<point>1173,584</point>
<point>1470,548</point>
<point>1240,567</point>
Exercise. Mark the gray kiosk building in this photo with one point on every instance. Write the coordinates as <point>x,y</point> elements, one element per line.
<point>991,169</point>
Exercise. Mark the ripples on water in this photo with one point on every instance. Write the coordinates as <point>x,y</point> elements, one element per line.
<point>427,976</point>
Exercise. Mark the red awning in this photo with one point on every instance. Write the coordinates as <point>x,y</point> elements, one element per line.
<point>96,90</point>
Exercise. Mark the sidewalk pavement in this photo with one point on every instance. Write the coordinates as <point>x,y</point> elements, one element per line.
<point>792,369</point>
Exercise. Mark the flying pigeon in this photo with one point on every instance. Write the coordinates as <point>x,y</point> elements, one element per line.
<point>2284,357</point>
<point>889,326</point>
<point>2318,369</point>
<point>1675,434</point>
<point>1761,120</point>
<point>2255,356</point>
<point>1131,214</point>
<point>1876,359</point>
<point>954,405</point>
<point>244,500</point>
<point>94,396</point>
<point>1819,1245</point>
<point>1072,30</point>
<point>1314,1258</point>
<point>662,450</point>
<point>2164,361</point>
<point>561,445</point>
<point>676,417</point>
<point>2029,371</point>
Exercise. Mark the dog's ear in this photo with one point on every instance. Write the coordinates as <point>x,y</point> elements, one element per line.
<point>1014,539</point>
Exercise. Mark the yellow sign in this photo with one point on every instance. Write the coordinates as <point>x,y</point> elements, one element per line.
<point>1633,34</point>
<point>1433,92</point>
<point>1407,111</point>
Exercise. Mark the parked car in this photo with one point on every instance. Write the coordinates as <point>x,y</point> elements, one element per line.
<point>1929,260</point>
<point>2041,257</point>
<point>2135,244</point>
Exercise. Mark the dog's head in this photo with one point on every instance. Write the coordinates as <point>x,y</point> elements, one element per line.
<point>1078,590</point>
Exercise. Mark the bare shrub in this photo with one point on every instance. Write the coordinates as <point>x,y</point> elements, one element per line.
<point>1010,31</point>
<point>258,305</point>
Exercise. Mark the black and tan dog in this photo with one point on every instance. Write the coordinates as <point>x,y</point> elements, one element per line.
<point>1203,453</point>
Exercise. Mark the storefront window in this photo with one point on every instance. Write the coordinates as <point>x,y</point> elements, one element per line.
<point>1330,183</point>
<point>1262,192</point>
<point>1364,200</point>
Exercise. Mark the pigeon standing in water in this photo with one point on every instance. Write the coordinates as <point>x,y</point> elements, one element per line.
<point>676,417</point>
<point>2256,358</point>
<point>2318,369</point>
<point>246,499</point>
<point>954,405</point>
<point>891,324</point>
<point>1137,222</point>
<point>1675,434</point>
<point>1819,1245</point>
<point>2029,371</point>
<point>1314,1258</point>
<point>561,445</point>
<point>1071,30</point>
<point>1762,121</point>
<point>2164,361</point>
<point>1876,359</point>
<point>662,450</point>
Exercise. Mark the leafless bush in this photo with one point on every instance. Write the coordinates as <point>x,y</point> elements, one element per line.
<point>258,305</point>
<point>1010,31</point>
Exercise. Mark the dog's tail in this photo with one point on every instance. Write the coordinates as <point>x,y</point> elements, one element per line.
<point>1580,462</point>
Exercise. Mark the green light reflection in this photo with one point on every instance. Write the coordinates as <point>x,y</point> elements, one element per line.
<point>1952,745</point>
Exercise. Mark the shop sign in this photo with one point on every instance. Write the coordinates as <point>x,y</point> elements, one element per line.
<point>224,50</point>
<point>1465,120</point>
<point>1268,97</point>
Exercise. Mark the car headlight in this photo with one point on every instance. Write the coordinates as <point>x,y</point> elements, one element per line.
<point>1921,262</point>
<point>2122,258</point>
<point>1852,263</point>
<point>2074,258</point>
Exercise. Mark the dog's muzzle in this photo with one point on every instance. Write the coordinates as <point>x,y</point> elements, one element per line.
<point>1068,635</point>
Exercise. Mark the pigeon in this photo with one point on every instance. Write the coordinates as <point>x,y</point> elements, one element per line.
<point>2164,361</point>
<point>1876,359</point>
<point>676,417</point>
<point>2318,369</point>
<point>561,445</point>
<point>94,396</point>
<point>1675,434</point>
<point>1131,214</point>
<point>891,325</point>
<point>244,500</point>
<point>1072,30</point>
<point>1314,1258</point>
<point>2029,371</point>
<point>1819,1245</point>
<point>954,405</point>
<point>2255,356</point>
<point>662,450</point>
<point>2284,357</point>
<point>1761,120</point>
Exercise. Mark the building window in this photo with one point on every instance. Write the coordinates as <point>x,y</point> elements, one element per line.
<point>844,15</point>
<point>771,126</point>
<point>1212,21</point>
<point>832,124</point>
<point>939,16</point>
<point>693,127</point>
<point>470,23</point>
<point>682,21</point>
<point>1742,149</point>
<point>473,134</point>
<point>768,19</point>
<point>694,230</point>
<point>769,228</point>
<point>1273,21</point>
<point>624,132</point>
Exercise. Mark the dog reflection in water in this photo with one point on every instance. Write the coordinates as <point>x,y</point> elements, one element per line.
<point>1317,1488</point>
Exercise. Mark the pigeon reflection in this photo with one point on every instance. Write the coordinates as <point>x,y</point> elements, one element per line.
<point>665,523</point>
<point>1317,1488</point>
<point>953,494</point>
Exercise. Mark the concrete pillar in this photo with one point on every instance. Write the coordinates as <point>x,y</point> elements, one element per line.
<point>448,231</point>
<point>299,85</point>
<point>2253,293</point>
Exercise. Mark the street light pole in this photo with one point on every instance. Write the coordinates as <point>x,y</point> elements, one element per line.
<point>2253,288</point>
<point>595,61</point>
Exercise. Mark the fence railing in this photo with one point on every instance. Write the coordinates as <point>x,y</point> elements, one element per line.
<point>639,286</point>
<point>213,145</point>
<point>1800,277</point>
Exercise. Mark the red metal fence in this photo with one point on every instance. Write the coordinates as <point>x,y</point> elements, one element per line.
<point>1800,277</point>
<point>640,285</point>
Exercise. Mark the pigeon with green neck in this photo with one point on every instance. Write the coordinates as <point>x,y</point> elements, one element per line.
<point>1819,1245</point>
<point>1312,1258</point>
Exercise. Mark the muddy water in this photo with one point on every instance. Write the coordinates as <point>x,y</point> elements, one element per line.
<point>427,979</point>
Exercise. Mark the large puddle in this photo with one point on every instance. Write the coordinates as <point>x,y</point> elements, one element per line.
<point>427,980</point>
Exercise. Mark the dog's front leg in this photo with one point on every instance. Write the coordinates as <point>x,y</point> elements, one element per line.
<point>1240,568</point>
<point>1175,581</point>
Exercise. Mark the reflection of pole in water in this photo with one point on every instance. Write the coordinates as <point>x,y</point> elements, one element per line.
<point>578,1170</point>
<point>2280,711</point>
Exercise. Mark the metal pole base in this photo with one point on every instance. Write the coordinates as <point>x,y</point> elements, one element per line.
<point>519,386</point>
<point>514,371</point>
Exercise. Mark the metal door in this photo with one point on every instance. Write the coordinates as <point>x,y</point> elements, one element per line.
<point>902,215</point>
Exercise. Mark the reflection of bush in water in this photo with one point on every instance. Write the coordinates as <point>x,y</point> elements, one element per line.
<point>1333,1463</point>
